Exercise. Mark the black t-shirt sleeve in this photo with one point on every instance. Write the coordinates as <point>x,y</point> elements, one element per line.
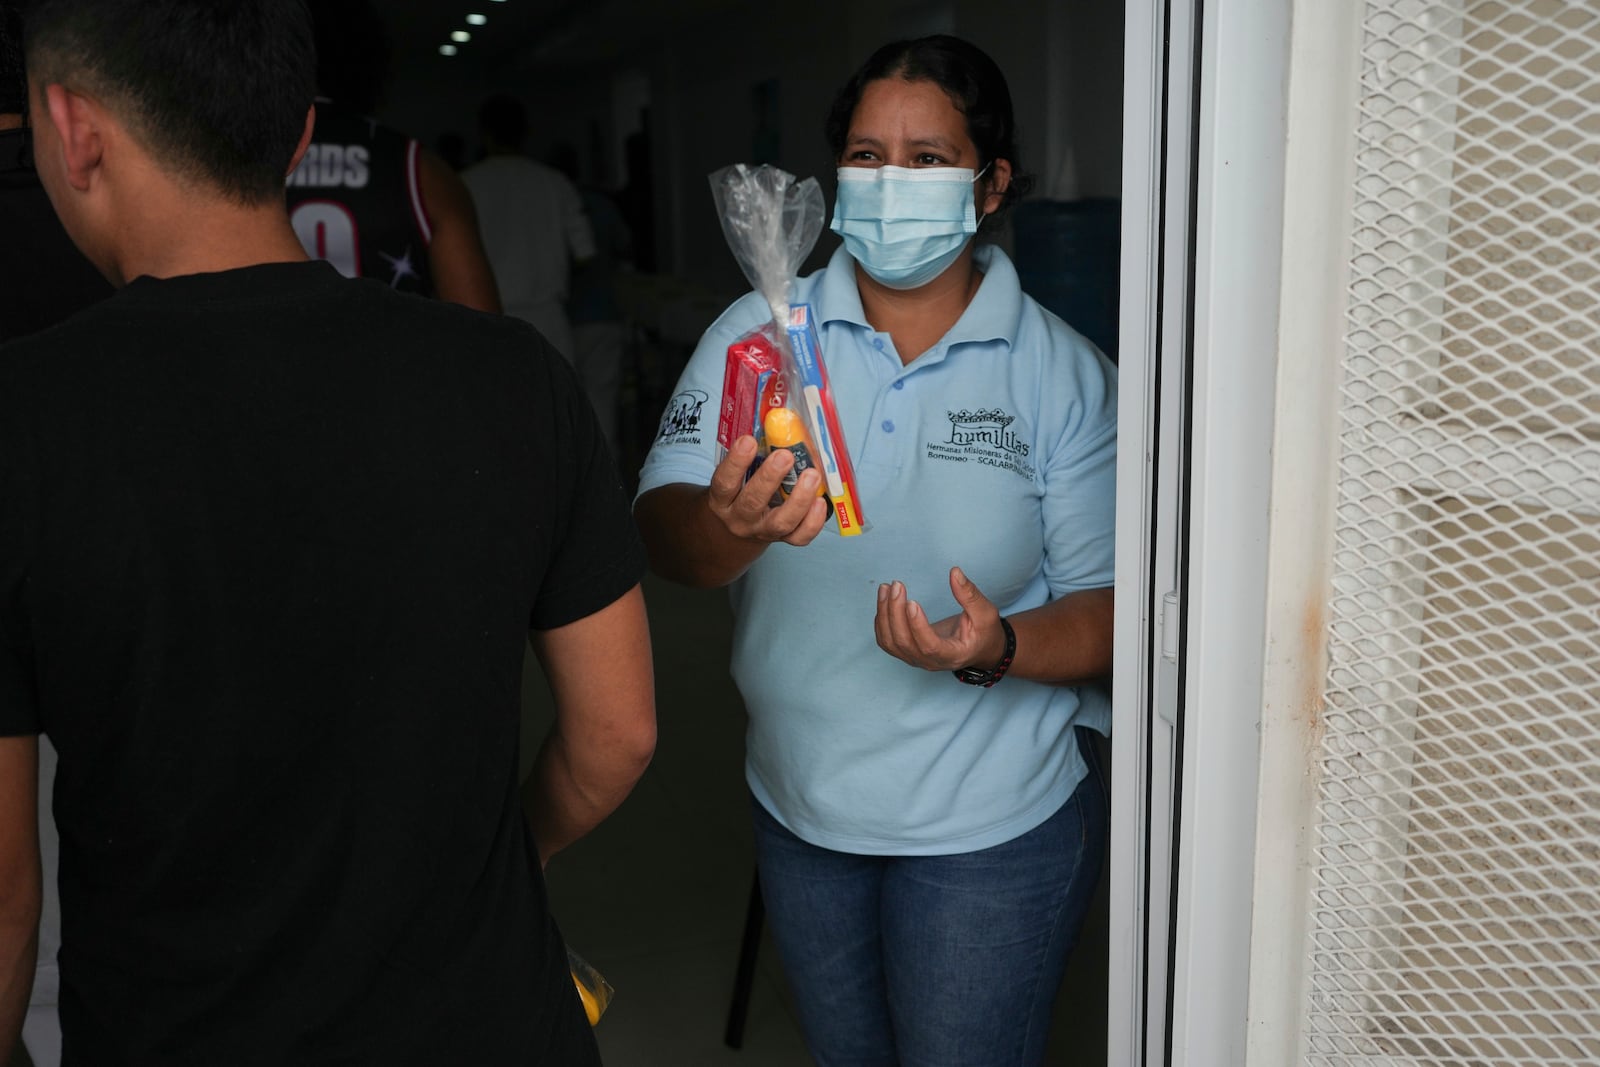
<point>597,555</point>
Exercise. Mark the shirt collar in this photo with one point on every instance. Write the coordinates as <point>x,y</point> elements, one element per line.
<point>995,313</point>
<point>838,299</point>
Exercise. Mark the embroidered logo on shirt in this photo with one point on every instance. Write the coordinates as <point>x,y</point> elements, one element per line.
<point>680,423</point>
<point>984,437</point>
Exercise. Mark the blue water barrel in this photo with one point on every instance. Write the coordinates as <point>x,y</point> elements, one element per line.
<point>1067,254</point>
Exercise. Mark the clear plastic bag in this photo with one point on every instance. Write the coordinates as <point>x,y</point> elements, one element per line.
<point>593,989</point>
<point>771,222</point>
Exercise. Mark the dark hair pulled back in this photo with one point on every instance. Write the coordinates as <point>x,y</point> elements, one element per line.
<point>965,72</point>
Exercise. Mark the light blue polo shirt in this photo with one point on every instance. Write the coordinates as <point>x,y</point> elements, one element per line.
<point>996,451</point>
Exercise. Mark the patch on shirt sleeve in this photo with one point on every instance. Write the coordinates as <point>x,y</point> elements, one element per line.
<point>684,421</point>
<point>984,437</point>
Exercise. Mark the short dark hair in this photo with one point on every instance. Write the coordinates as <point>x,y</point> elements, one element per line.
<point>504,118</point>
<point>968,76</point>
<point>217,89</point>
<point>13,84</point>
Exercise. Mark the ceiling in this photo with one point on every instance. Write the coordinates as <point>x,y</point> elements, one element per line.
<point>531,38</point>
<point>418,27</point>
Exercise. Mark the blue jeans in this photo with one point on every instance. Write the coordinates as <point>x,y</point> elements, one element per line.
<point>934,961</point>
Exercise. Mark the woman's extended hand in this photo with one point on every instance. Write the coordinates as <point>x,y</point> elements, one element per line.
<point>973,638</point>
<point>745,507</point>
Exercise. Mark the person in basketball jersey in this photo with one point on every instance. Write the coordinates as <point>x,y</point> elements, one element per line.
<point>370,199</point>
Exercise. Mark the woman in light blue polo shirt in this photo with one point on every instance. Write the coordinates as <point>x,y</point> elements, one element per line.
<point>929,824</point>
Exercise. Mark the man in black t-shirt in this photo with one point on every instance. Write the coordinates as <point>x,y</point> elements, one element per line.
<point>270,551</point>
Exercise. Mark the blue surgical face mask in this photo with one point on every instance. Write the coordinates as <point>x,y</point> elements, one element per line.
<point>905,226</point>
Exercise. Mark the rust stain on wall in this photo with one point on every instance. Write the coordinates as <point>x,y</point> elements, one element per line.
<point>1313,650</point>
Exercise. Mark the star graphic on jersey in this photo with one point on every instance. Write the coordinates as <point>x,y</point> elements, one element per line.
<point>402,266</point>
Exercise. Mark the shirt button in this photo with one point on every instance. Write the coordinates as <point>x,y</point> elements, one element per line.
<point>888,426</point>
<point>900,383</point>
<point>877,342</point>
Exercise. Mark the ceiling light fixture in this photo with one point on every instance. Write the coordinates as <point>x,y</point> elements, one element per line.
<point>448,50</point>
<point>477,20</point>
<point>460,36</point>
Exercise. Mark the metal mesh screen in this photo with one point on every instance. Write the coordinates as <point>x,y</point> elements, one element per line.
<point>1456,910</point>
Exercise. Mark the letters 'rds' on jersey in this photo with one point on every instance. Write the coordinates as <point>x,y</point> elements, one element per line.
<point>333,166</point>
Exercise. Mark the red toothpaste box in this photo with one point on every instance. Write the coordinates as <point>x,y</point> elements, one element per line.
<point>752,382</point>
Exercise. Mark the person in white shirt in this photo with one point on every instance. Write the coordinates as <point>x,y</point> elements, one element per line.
<point>533,223</point>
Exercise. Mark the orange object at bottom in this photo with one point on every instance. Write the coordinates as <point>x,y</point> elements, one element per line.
<point>593,990</point>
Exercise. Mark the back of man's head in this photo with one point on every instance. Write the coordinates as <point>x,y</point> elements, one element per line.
<point>215,90</point>
<point>13,87</point>
<point>503,120</point>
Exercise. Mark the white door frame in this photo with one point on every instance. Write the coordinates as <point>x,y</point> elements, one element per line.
<point>1153,347</point>
<point>1203,166</point>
